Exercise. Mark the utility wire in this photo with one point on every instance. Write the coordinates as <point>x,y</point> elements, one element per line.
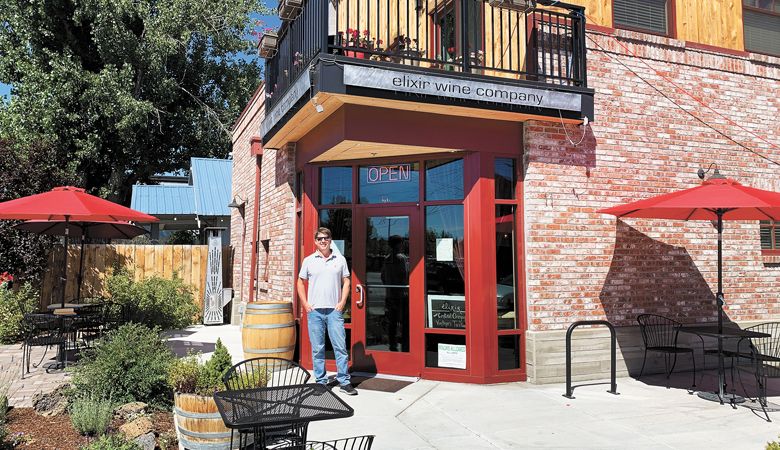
<point>684,91</point>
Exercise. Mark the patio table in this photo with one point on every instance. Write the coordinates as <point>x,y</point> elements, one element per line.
<point>295,406</point>
<point>725,333</point>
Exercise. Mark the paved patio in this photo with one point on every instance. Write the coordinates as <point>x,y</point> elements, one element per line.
<point>437,415</point>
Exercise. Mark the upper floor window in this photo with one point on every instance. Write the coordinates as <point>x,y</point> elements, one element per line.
<point>762,26</point>
<point>642,15</point>
<point>770,236</point>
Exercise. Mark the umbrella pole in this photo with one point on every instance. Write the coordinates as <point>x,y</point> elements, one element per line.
<point>81,263</point>
<point>65,278</point>
<point>719,299</point>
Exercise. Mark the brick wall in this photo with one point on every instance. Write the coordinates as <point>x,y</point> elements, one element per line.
<point>246,128</point>
<point>277,224</point>
<point>584,265</point>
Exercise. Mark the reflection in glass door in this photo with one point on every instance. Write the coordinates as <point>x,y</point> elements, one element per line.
<point>387,297</point>
<point>387,283</point>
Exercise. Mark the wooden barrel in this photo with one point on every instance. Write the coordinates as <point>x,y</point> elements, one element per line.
<point>199,425</point>
<point>268,329</point>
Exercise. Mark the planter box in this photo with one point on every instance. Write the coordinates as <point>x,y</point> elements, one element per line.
<point>289,9</point>
<point>268,45</point>
<point>354,54</point>
<point>198,423</point>
<point>515,5</point>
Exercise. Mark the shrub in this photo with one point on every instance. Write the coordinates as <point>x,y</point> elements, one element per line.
<point>154,301</point>
<point>188,376</point>
<point>128,364</point>
<point>774,445</point>
<point>90,415</point>
<point>13,307</point>
<point>111,442</point>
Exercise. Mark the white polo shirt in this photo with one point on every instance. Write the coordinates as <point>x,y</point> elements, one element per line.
<point>325,277</point>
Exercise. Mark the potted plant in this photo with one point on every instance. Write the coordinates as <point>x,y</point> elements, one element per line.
<point>355,39</point>
<point>408,50</point>
<point>289,9</point>
<point>195,414</point>
<point>269,42</point>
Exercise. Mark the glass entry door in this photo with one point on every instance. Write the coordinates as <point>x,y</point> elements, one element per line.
<point>386,298</point>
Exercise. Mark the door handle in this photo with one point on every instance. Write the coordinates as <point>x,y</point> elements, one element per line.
<point>359,290</point>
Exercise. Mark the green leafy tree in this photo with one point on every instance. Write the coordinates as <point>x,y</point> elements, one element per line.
<point>27,168</point>
<point>123,89</point>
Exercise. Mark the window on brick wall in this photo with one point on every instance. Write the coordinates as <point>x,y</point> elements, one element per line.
<point>762,26</point>
<point>642,15</point>
<point>770,237</point>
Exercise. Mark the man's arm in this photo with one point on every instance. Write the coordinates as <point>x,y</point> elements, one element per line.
<point>302,295</point>
<point>344,294</point>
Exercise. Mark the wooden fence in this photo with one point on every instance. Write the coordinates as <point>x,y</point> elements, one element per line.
<point>187,262</point>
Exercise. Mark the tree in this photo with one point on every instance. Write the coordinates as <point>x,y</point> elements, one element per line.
<point>26,169</point>
<point>123,89</point>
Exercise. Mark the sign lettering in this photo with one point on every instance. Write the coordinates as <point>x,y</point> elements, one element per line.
<point>393,80</point>
<point>286,103</point>
<point>447,311</point>
<point>389,173</point>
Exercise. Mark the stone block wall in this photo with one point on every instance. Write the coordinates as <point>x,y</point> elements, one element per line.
<point>245,130</point>
<point>649,138</point>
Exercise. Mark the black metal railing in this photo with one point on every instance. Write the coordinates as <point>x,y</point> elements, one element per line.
<point>546,44</point>
<point>299,42</point>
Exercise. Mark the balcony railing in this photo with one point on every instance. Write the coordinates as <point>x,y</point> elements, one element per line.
<point>545,44</point>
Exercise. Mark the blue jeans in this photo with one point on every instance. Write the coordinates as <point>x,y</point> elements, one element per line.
<point>319,320</point>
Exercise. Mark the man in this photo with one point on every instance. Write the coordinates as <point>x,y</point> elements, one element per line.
<point>328,277</point>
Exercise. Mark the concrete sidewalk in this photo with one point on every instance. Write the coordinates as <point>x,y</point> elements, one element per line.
<point>438,415</point>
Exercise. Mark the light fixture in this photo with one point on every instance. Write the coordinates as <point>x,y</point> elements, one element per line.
<point>237,203</point>
<point>715,174</point>
<point>515,5</point>
<point>317,107</point>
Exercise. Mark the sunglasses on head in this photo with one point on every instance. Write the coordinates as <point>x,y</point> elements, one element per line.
<point>322,238</point>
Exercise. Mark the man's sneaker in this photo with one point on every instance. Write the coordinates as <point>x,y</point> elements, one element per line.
<point>332,381</point>
<point>348,389</point>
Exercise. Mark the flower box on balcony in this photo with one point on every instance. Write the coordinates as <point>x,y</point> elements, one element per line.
<point>515,5</point>
<point>289,9</point>
<point>268,44</point>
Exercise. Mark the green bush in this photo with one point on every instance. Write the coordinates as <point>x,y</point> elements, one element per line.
<point>128,364</point>
<point>774,445</point>
<point>91,416</point>
<point>111,442</point>
<point>168,304</point>
<point>13,307</point>
<point>188,376</point>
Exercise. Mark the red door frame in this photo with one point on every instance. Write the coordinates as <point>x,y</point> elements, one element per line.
<point>479,227</point>
<point>396,363</point>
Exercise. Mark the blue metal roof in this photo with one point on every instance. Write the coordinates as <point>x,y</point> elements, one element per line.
<point>211,180</point>
<point>164,199</point>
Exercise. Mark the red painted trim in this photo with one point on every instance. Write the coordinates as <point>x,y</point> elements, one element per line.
<point>714,48</point>
<point>599,28</point>
<point>255,216</point>
<point>765,252</point>
<point>256,146</point>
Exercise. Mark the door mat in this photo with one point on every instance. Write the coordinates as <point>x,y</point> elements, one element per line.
<point>379,384</point>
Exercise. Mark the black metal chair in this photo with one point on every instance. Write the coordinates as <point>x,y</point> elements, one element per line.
<point>44,330</point>
<point>88,324</point>
<point>351,443</point>
<point>268,372</point>
<point>659,334</point>
<point>762,357</point>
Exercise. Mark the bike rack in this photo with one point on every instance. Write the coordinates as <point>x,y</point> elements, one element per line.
<point>569,388</point>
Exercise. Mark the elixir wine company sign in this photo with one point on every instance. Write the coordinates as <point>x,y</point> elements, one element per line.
<point>291,97</point>
<point>392,80</point>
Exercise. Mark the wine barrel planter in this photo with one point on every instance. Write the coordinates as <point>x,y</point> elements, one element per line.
<point>268,329</point>
<point>198,423</point>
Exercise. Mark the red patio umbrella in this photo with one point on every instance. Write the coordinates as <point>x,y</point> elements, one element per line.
<point>69,204</point>
<point>84,230</point>
<point>719,199</point>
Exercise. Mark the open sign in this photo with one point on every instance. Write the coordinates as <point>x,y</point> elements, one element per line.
<point>391,173</point>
